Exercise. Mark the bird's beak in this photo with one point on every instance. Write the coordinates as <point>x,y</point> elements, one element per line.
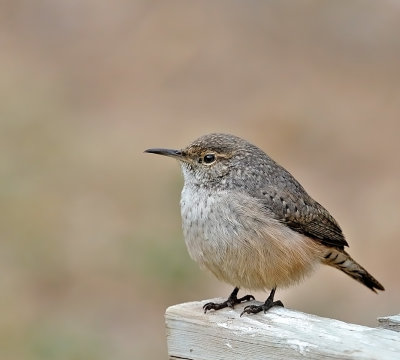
<point>177,154</point>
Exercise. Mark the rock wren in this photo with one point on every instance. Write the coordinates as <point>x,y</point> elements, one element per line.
<point>248,221</point>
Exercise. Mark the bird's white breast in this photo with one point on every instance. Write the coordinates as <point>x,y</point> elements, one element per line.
<point>234,237</point>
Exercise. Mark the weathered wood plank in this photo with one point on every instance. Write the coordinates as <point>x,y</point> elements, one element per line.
<point>390,322</point>
<point>279,334</point>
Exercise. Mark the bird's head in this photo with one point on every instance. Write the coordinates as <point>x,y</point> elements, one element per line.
<point>211,159</point>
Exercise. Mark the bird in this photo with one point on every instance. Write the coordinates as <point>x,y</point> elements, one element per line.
<point>250,223</point>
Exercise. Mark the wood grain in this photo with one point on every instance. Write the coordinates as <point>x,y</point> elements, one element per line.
<point>279,334</point>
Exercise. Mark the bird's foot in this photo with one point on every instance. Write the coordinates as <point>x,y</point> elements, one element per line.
<point>269,303</point>
<point>254,309</point>
<point>230,302</point>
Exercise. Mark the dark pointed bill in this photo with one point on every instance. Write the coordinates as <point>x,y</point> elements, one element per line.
<point>165,152</point>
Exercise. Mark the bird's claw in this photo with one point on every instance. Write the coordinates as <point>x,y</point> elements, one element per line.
<point>231,302</point>
<point>254,309</point>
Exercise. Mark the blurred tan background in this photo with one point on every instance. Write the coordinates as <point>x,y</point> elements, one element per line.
<point>91,249</point>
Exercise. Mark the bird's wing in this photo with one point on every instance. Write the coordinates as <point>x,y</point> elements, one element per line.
<point>304,215</point>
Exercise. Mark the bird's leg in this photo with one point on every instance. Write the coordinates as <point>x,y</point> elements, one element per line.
<point>269,303</point>
<point>231,302</point>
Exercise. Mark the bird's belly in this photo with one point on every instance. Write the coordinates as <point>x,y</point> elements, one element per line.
<point>229,237</point>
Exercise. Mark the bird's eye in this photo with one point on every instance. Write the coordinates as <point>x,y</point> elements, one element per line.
<point>209,158</point>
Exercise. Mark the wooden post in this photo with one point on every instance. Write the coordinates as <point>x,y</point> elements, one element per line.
<point>390,322</point>
<point>279,334</point>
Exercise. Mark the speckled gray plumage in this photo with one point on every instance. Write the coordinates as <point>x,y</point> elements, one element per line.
<point>250,170</point>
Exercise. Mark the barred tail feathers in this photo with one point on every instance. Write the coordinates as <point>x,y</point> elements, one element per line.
<point>341,260</point>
